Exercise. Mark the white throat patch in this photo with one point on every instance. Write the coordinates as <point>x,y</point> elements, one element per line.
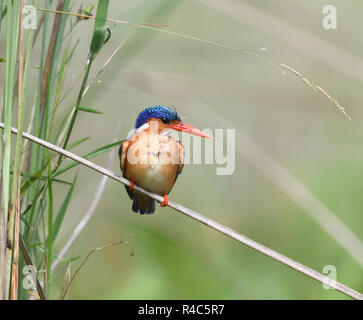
<point>143,127</point>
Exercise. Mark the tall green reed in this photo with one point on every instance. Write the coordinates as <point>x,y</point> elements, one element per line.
<point>31,183</point>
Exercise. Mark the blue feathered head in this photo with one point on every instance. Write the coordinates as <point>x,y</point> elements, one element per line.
<point>164,113</point>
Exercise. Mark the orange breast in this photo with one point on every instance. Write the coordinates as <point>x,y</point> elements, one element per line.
<point>153,162</point>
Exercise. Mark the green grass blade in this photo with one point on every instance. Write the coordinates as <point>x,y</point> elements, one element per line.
<point>38,246</point>
<point>11,54</point>
<point>50,226</point>
<point>63,209</point>
<point>45,178</point>
<point>101,14</point>
<point>36,151</point>
<point>78,142</point>
<point>14,220</point>
<point>12,33</point>
<point>38,175</point>
<point>90,110</point>
<point>35,176</point>
<point>2,13</point>
<point>60,80</point>
<point>89,156</point>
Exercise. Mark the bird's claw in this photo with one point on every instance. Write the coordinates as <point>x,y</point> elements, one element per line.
<point>165,201</point>
<point>131,186</point>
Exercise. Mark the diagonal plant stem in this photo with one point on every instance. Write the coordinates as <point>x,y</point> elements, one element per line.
<point>204,220</point>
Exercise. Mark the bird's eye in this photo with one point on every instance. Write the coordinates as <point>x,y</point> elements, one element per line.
<point>165,120</point>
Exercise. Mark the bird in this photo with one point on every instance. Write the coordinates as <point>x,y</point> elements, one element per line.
<point>151,158</point>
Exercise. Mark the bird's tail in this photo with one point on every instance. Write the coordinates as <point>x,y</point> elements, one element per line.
<point>143,204</point>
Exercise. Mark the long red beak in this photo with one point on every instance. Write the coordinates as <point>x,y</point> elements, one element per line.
<point>181,126</point>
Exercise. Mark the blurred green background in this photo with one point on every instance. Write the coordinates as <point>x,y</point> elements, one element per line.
<point>168,256</point>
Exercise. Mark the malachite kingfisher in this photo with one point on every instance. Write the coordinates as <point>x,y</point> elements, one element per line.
<point>151,158</point>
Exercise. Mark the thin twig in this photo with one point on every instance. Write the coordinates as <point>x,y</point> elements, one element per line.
<point>202,219</point>
<point>81,15</point>
<point>66,279</point>
<point>83,263</point>
<point>107,62</point>
<point>89,213</point>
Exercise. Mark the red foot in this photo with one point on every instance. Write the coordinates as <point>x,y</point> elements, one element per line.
<point>131,186</point>
<point>165,201</point>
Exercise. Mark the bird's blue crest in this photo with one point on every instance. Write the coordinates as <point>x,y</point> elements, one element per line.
<point>157,112</point>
